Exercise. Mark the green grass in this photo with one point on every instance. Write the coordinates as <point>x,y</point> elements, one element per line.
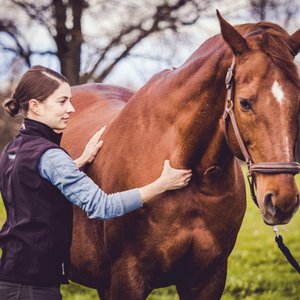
<point>257,270</point>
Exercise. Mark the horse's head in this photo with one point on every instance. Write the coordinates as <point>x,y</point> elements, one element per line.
<point>266,106</point>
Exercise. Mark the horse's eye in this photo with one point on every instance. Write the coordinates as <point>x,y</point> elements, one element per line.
<point>245,104</point>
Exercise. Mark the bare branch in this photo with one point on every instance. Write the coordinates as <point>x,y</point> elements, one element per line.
<point>34,11</point>
<point>164,18</point>
<point>10,29</point>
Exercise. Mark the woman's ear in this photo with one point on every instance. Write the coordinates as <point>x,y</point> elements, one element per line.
<point>33,106</point>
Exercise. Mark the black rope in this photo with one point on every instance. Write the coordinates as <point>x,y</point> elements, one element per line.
<point>286,252</point>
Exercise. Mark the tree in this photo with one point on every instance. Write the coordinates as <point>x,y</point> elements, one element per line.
<point>62,21</point>
<point>284,10</point>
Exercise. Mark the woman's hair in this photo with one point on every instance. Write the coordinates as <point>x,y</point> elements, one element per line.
<point>37,83</point>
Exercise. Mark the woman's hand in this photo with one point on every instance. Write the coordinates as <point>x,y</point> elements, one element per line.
<point>173,179</point>
<point>91,149</point>
<point>170,179</point>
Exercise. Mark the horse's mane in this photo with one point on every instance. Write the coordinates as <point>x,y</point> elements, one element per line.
<point>276,46</point>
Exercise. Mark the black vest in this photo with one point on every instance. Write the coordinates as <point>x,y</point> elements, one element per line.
<point>36,237</point>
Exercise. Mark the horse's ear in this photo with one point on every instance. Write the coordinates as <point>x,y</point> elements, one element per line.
<point>232,37</point>
<point>295,42</point>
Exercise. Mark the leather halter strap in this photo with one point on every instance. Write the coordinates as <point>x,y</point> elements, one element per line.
<point>263,167</point>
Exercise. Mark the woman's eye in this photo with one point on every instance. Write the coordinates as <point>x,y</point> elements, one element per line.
<point>245,104</point>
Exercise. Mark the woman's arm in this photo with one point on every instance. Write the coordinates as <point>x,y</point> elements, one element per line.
<point>58,168</point>
<point>170,178</point>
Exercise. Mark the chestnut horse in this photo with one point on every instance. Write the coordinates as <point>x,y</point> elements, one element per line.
<point>184,237</point>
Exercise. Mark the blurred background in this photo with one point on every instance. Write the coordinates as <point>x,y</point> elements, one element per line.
<point>117,42</point>
<point>125,43</point>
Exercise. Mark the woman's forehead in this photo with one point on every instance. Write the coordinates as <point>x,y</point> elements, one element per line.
<point>62,91</point>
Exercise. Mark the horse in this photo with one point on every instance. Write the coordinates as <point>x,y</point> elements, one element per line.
<point>184,237</point>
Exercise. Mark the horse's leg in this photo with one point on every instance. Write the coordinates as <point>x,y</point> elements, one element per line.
<point>209,288</point>
<point>126,283</point>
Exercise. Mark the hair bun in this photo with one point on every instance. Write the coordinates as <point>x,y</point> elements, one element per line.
<point>11,106</point>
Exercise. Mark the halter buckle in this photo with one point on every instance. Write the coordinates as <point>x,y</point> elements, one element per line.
<point>229,105</point>
<point>228,78</point>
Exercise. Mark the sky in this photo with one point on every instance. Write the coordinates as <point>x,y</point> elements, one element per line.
<point>195,35</point>
<point>135,70</point>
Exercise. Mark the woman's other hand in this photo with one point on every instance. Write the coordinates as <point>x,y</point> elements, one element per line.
<point>91,149</point>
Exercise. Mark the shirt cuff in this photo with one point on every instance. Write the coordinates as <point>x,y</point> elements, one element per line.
<point>131,200</point>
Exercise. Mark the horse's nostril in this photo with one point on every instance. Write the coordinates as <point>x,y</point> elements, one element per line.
<point>269,204</point>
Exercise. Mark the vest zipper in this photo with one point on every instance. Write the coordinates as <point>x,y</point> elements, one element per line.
<point>63,268</point>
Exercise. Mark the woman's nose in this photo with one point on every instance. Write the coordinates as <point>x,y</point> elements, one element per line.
<point>70,108</point>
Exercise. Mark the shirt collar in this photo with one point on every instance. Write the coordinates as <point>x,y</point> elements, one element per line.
<point>33,127</point>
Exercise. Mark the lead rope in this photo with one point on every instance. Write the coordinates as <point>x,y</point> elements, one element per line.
<point>285,250</point>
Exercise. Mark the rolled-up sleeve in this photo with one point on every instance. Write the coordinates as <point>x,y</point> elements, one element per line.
<point>57,167</point>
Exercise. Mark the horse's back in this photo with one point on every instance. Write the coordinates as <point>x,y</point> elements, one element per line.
<point>95,105</point>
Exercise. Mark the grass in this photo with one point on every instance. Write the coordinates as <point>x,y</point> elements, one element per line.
<point>257,270</point>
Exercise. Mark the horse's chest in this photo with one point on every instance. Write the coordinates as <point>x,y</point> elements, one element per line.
<point>206,235</point>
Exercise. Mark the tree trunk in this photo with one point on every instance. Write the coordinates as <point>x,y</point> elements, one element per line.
<point>69,36</point>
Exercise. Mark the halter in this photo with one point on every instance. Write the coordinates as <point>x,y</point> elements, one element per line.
<point>263,167</point>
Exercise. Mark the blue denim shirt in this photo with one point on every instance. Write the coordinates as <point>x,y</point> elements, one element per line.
<point>57,167</point>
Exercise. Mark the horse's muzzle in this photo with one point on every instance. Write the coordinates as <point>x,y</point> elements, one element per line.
<point>276,215</point>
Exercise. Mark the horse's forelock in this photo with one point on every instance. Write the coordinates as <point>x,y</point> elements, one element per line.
<point>276,46</point>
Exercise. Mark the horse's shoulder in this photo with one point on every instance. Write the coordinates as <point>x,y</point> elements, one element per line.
<point>95,105</point>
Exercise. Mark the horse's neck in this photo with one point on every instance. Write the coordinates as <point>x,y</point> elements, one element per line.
<point>187,104</point>
<point>184,106</point>
<point>217,155</point>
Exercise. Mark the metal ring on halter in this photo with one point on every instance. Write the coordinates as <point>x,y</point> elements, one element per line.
<point>229,105</point>
<point>229,76</point>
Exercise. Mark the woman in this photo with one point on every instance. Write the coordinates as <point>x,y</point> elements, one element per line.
<point>39,182</point>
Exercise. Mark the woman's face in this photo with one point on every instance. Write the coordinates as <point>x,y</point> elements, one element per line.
<point>56,109</point>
